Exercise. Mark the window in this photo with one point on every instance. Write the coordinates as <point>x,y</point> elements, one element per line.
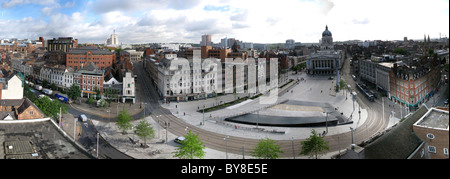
<point>445,151</point>
<point>31,112</point>
<point>430,136</point>
<point>432,149</point>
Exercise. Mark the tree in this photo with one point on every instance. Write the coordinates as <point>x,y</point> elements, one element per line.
<point>267,149</point>
<point>124,121</point>
<point>45,83</point>
<point>53,86</point>
<point>342,84</point>
<point>111,94</point>
<point>74,92</point>
<point>191,147</point>
<point>97,92</point>
<point>50,108</point>
<point>145,131</point>
<point>91,100</point>
<point>314,145</point>
<point>400,51</point>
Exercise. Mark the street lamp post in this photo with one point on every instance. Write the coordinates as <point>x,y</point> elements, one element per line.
<point>144,108</point>
<point>98,134</point>
<point>351,130</point>
<point>159,136</point>
<point>74,129</point>
<point>326,121</point>
<point>167,129</point>
<point>203,115</point>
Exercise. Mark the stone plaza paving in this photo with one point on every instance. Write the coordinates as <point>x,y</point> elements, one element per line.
<point>312,89</point>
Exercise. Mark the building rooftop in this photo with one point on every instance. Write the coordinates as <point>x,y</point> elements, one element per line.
<point>434,118</point>
<point>93,50</point>
<point>37,140</point>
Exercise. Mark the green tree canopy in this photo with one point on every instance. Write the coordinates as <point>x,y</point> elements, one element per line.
<point>314,145</point>
<point>74,92</point>
<point>124,120</point>
<point>144,130</point>
<point>191,147</point>
<point>50,108</point>
<point>400,51</point>
<point>267,149</point>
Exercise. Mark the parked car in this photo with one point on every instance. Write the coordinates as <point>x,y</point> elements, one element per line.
<point>38,87</point>
<point>179,139</point>
<point>47,91</point>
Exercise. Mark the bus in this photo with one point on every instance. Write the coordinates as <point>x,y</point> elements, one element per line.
<point>368,95</point>
<point>63,98</point>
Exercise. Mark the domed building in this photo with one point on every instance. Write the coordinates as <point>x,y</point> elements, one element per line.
<point>327,40</point>
<point>327,61</point>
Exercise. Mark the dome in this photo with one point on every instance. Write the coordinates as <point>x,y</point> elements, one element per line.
<point>326,32</point>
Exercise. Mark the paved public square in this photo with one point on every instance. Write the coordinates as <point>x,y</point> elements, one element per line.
<point>313,89</point>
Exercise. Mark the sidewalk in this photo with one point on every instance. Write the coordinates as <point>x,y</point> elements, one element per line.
<point>111,111</point>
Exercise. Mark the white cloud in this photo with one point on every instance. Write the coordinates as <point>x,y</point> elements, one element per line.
<point>12,3</point>
<point>259,21</point>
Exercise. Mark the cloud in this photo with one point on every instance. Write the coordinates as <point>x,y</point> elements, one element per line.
<point>47,11</point>
<point>104,6</point>
<point>259,21</point>
<point>327,5</point>
<point>361,21</point>
<point>240,25</point>
<point>12,3</point>
<point>240,16</point>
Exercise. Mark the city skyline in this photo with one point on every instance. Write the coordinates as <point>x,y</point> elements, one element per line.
<point>157,21</point>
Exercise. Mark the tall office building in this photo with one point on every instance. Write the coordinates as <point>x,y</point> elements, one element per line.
<point>113,40</point>
<point>206,40</point>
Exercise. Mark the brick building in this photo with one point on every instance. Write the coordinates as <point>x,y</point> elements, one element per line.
<point>219,53</point>
<point>432,128</point>
<point>18,47</point>
<point>413,85</point>
<point>89,78</point>
<point>79,57</point>
<point>19,109</point>
<point>64,44</point>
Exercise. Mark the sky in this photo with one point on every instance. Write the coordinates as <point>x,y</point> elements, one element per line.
<point>257,21</point>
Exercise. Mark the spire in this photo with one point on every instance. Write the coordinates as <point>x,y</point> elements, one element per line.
<point>326,27</point>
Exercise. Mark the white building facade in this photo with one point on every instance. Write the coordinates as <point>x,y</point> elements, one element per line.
<point>129,90</point>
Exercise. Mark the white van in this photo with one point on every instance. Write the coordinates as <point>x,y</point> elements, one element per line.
<point>83,118</point>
